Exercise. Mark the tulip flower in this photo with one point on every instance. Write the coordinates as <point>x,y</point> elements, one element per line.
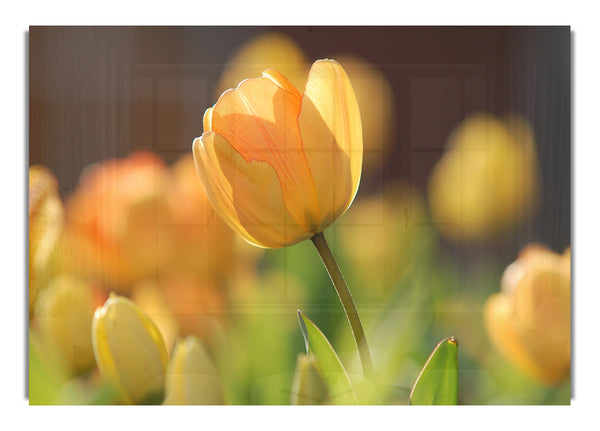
<point>114,219</point>
<point>129,350</point>
<point>487,179</point>
<point>201,241</point>
<point>280,166</point>
<point>191,375</point>
<point>45,225</point>
<point>529,321</point>
<point>63,315</point>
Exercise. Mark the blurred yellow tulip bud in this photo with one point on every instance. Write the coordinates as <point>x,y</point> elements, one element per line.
<point>202,241</point>
<point>129,350</point>
<point>529,321</point>
<point>63,315</point>
<point>280,166</point>
<point>308,386</point>
<point>113,220</point>
<point>268,50</point>
<point>487,179</point>
<point>45,226</point>
<point>191,375</point>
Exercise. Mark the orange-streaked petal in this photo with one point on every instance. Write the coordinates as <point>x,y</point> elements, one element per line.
<point>259,120</point>
<point>331,131</point>
<point>247,195</point>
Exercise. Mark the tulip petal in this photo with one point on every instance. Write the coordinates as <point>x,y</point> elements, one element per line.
<point>331,131</point>
<point>527,349</point>
<point>247,195</point>
<point>259,120</point>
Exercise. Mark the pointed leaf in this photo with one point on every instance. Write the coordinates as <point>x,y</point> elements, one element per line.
<point>437,383</point>
<point>335,376</point>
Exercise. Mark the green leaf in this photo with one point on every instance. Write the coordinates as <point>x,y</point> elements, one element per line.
<point>437,383</point>
<point>335,376</point>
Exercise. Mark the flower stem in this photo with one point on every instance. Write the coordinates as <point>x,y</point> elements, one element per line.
<point>347,302</point>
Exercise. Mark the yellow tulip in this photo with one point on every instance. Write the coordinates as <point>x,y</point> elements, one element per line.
<point>129,350</point>
<point>45,225</point>
<point>191,375</point>
<point>280,166</point>
<point>487,179</point>
<point>529,321</point>
<point>63,315</point>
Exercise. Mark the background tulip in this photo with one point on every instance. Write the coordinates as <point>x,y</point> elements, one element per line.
<point>487,179</point>
<point>129,350</point>
<point>63,316</point>
<point>529,320</point>
<point>191,375</point>
<point>114,219</point>
<point>201,241</point>
<point>280,166</point>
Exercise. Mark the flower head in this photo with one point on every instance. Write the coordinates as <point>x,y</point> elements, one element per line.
<point>486,182</point>
<point>129,350</point>
<point>529,321</point>
<point>191,375</point>
<point>114,219</point>
<point>280,166</point>
<point>63,316</point>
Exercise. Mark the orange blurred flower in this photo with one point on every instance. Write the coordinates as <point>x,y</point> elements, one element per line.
<point>529,321</point>
<point>201,241</point>
<point>280,166</point>
<point>114,218</point>
<point>45,225</point>
<point>181,304</point>
<point>197,304</point>
<point>487,179</point>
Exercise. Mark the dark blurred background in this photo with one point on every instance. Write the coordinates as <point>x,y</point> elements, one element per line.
<point>102,92</point>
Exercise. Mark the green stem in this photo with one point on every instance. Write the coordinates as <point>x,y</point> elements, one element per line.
<point>344,294</point>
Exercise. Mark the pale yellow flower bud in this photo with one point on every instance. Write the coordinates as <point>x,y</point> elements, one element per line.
<point>130,351</point>
<point>192,376</point>
<point>63,315</point>
<point>308,386</point>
